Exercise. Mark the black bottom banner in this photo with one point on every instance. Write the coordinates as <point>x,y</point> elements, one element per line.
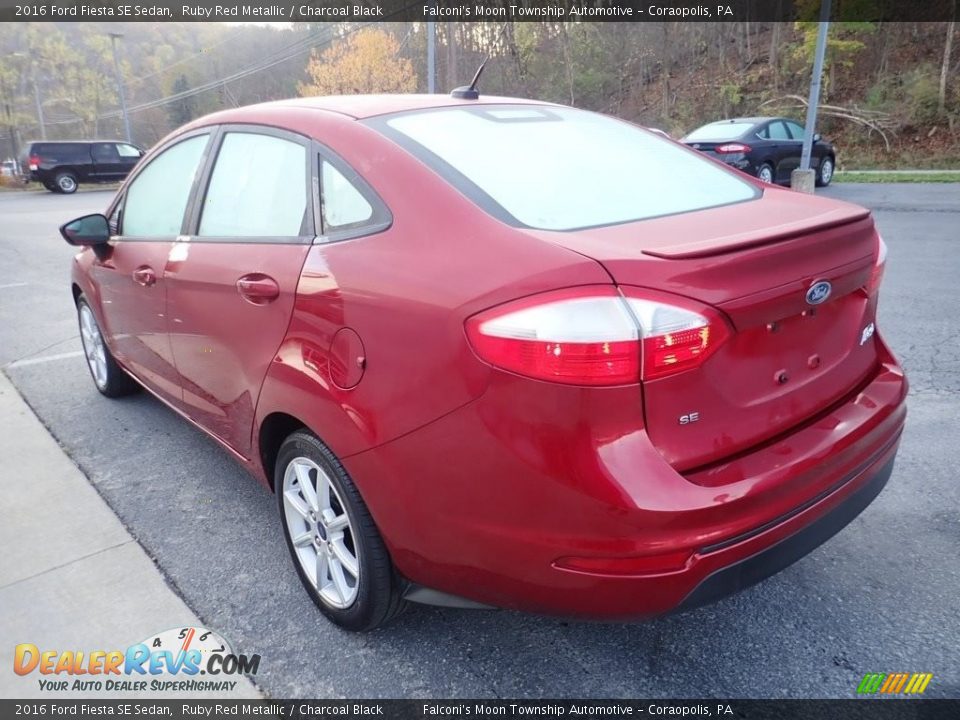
<point>888,709</point>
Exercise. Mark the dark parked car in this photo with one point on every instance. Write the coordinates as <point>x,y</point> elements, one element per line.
<point>479,371</point>
<point>62,166</point>
<point>766,147</point>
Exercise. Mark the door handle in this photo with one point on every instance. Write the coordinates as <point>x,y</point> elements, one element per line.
<point>144,275</point>
<point>258,288</point>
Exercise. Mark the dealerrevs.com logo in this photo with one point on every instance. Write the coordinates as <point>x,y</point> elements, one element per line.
<point>182,659</point>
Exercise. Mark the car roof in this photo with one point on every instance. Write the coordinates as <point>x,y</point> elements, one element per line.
<point>365,106</point>
<point>74,142</point>
<point>753,120</point>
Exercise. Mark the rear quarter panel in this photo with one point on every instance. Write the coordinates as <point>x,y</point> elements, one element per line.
<point>406,291</point>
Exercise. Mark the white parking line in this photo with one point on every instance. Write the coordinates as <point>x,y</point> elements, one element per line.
<point>12,285</point>
<point>44,359</point>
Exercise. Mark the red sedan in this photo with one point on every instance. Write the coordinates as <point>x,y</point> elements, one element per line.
<point>493,352</point>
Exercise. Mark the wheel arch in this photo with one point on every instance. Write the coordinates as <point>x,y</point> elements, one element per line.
<point>274,429</point>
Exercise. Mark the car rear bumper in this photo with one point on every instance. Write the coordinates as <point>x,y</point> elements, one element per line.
<point>771,560</point>
<point>490,502</point>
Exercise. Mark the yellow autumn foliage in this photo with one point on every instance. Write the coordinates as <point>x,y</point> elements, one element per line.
<point>368,61</point>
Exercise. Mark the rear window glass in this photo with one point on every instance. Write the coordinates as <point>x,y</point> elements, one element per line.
<point>719,131</point>
<point>560,168</point>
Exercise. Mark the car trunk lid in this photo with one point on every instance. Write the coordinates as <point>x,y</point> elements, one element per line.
<point>786,359</point>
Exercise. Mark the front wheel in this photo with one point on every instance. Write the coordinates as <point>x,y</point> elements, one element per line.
<point>109,377</point>
<point>337,550</point>
<point>825,172</point>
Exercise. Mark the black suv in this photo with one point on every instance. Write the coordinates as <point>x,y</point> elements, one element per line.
<point>62,165</point>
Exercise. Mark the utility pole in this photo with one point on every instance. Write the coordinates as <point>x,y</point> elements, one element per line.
<point>116,71</point>
<point>431,54</point>
<point>803,178</point>
<point>814,100</point>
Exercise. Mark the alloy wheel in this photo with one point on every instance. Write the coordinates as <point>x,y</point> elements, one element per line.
<point>826,171</point>
<point>93,346</point>
<point>321,532</point>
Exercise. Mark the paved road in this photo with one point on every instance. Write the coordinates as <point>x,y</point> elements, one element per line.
<point>881,597</point>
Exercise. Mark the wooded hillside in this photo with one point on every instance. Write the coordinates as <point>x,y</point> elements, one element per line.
<point>891,93</point>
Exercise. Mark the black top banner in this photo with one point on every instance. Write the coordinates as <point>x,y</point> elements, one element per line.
<point>472,10</point>
<point>488,709</point>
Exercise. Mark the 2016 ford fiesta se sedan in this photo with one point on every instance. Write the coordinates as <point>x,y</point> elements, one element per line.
<point>493,352</point>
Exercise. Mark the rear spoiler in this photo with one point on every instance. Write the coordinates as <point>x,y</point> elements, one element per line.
<point>834,217</point>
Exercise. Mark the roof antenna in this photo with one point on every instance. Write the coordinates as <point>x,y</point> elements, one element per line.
<point>470,92</point>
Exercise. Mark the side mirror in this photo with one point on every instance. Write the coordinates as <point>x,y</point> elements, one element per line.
<point>87,230</point>
<point>816,137</point>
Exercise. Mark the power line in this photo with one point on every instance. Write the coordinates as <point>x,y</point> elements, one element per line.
<point>203,51</point>
<point>320,39</point>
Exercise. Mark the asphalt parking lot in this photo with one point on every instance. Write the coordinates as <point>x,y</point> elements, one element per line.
<point>880,597</point>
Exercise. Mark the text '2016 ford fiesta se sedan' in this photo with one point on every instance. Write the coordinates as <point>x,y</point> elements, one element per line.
<point>492,352</point>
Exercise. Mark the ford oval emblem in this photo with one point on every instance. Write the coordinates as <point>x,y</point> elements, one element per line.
<point>819,292</point>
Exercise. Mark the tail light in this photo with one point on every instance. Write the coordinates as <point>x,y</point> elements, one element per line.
<point>732,148</point>
<point>582,336</point>
<point>595,336</point>
<point>34,162</point>
<point>677,333</point>
<point>876,274</point>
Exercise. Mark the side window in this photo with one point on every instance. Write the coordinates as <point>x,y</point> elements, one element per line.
<point>127,150</point>
<point>104,152</point>
<point>795,130</point>
<point>778,131</point>
<point>764,132</point>
<point>342,204</point>
<point>75,152</point>
<point>157,197</point>
<point>258,188</point>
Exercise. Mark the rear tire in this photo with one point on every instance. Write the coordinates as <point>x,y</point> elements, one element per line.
<point>825,171</point>
<point>111,380</point>
<point>336,548</point>
<point>765,173</point>
<point>66,183</point>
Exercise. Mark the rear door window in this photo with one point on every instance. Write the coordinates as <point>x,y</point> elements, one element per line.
<point>778,131</point>
<point>157,197</point>
<point>105,153</point>
<point>258,188</point>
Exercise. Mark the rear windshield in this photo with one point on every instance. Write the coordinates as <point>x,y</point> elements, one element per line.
<point>719,131</point>
<point>559,168</point>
